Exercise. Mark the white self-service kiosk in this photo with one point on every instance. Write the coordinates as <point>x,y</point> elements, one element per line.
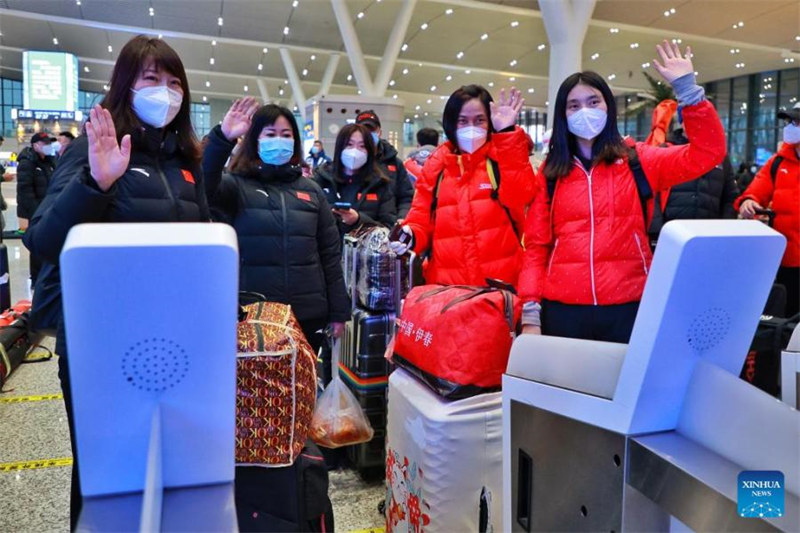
<point>641,437</point>
<point>150,314</point>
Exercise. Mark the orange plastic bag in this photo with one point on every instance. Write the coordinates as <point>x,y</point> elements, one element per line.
<point>338,418</point>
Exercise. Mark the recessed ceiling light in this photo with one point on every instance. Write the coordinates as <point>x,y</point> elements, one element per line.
<point>677,41</point>
<point>612,76</point>
<point>265,50</point>
<point>429,101</point>
<point>260,66</point>
<point>634,45</point>
<point>449,77</point>
<point>531,90</point>
<point>512,78</point>
<point>491,84</point>
<point>313,57</point>
<point>595,56</point>
<point>305,72</point>
<point>433,88</point>
<point>408,120</point>
<point>448,12</point>
<point>405,71</point>
<point>404,47</point>
<point>541,47</point>
<point>214,42</point>
<point>613,30</point>
<point>468,71</point>
<point>646,65</point>
<point>280,91</point>
<point>416,116</point>
<point>152,12</point>
<point>211,60</point>
<point>512,63</point>
<point>391,83</point>
<point>246,88</point>
<point>86,69</point>
<point>286,30</point>
<point>484,36</point>
<point>459,55</point>
<point>424,26</point>
<point>349,77</point>
<point>55,41</point>
<point>514,24</point>
<point>360,15</point>
<point>205,98</point>
<point>110,50</point>
<point>208,83</point>
<point>295,3</point>
<point>219,21</point>
<point>394,96</point>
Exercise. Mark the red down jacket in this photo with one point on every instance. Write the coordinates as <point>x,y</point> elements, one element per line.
<point>591,247</point>
<point>785,197</point>
<point>472,235</point>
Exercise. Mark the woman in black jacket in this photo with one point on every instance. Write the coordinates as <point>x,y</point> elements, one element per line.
<point>139,161</point>
<point>289,247</point>
<point>359,192</point>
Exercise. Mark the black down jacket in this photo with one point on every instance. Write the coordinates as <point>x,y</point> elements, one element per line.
<point>158,186</point>
<point>371,196</point>
<point>289,247</point>
<point>33,177</point>
<point>392,166</point>
<point>709,196</point>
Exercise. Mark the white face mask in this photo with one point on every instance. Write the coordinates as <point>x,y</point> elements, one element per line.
<point>470,138</point>
<point>52,148</point>
<point>156,106</point>
<point>791,134</point>
<point>587,122</point>
<point>353,158</point>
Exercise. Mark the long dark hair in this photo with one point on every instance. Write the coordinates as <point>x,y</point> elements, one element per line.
<point>607,147</point>
<point>131,61</point>
<point>248,159</point>
<point>453,108</point>
<point>370,168</point>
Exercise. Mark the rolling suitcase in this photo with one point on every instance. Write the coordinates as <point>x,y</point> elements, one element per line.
<point>444,460</point>
<point>5,278</point>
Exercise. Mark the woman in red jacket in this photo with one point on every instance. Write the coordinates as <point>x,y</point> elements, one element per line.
<point>587,253</point>
<point>782,189</point>
<point>468,224</point>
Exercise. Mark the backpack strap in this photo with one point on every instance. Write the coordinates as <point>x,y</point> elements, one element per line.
<point>493,170</point>
<point>773,169</point>
<point>642,185</point>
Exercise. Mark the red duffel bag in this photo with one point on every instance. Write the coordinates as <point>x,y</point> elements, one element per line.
<point>457,338</point>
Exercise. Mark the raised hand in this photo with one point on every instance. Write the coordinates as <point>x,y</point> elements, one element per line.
<point>237,119</point>
<point>673,65</point>
<point>506,110</point>
<point>108,159</point>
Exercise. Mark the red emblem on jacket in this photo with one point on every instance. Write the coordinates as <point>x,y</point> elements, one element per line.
<point>304,196</point>
<point>187,176</point>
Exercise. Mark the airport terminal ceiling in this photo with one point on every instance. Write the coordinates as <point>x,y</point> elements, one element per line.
<point>229,45</point>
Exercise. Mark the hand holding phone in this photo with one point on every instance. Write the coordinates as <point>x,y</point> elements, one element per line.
<point>342,205</point>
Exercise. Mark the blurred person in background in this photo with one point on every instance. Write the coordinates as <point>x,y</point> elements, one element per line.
<point>65,138</point>
<point>317,155</point>
<point>777,186</point>
<point>427,141</point>
<point>389,162</point>
<point>745,174</point>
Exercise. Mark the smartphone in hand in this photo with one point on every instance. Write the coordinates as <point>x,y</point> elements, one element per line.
<point>342,205</point>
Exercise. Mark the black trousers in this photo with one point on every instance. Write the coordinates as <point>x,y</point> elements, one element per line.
<point>310,329</point>
<point>612,323</point>
<point>75,500</point>
<point>789,277</point>
<point>35,265</point>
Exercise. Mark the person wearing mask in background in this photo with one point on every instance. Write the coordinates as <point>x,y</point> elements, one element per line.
<point>289,244</point>
<point>745,174</point>
<point>388,160</point>
<point>707,197</point>
<point>467,227</point>
<point>353,183</point>
<point>141,130</point>
<point>65,138</point>
<point>317,156</point>
<point>777,183</point>
<point>34,170</point>
<point>427,141</point>
<point>587,254</point>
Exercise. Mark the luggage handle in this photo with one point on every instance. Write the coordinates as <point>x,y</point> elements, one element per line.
<point>508,304</point>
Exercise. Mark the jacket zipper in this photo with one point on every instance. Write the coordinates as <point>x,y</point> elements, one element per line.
<point>171,196</point>
<point>285,243</point>
<point>552,256</point>
<point>591,234</point>
<point>641,253</point>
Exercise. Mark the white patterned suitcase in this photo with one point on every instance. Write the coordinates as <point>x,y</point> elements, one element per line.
<point>443,460</point>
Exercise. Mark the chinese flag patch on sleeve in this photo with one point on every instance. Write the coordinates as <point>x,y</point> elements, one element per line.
<point>304,196</point>
<point>187,175</point>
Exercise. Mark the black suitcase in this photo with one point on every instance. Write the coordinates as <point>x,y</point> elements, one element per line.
<point>364,343</point>
<point>762,366</point>
<point>291,498</point>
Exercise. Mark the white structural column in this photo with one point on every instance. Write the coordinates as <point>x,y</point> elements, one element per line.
<point>294,82</point>
<point>262,89</point>
<point>393,47</point>
<point>327,76</point>
<point>353,46</point>
<point>566,22</point>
